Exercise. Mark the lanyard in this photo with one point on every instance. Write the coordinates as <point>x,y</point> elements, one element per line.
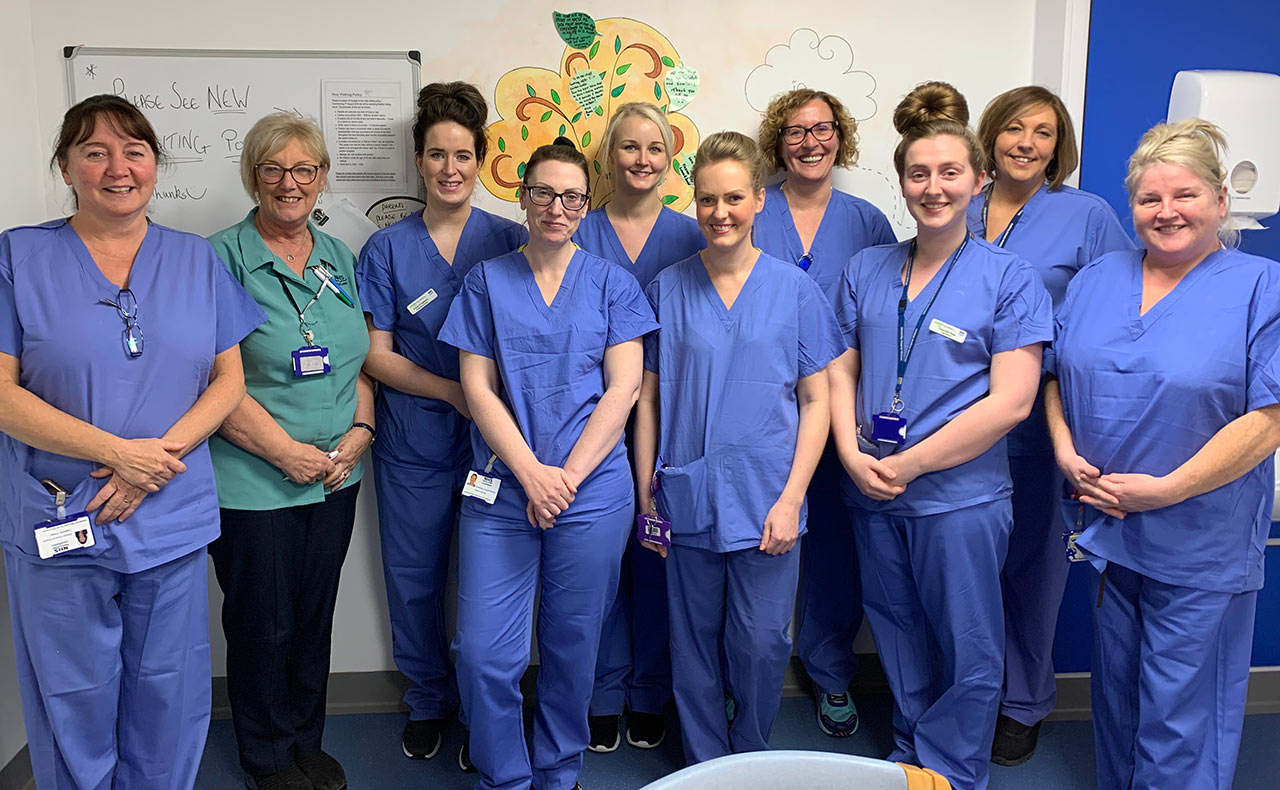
<point>1003,239</point>
<point>904,353</point>
<point>308,336</point>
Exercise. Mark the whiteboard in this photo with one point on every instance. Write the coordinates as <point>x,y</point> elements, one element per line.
<point>203,102</point>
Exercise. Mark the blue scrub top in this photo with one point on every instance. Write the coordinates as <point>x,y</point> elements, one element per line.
<point>399,268</point>
<point>848,226</point>
<point>727,388</point>
<point>72,356</point>
<point>998,300</point>
<point>551,363</point>
<point>1143,393</point>
<point>674,237</point>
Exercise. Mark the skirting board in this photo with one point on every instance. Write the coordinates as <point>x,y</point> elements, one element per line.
<point>380,692</point>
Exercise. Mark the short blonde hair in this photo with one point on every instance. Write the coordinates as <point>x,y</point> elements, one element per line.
<point>272,133</point>
<point>649,112</point>
<point>781,108</point>
<point>1002,111</point>
<point>1194,143</point>
<point>731,147</point>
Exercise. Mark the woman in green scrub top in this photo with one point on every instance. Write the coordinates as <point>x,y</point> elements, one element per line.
<point>287,460</point>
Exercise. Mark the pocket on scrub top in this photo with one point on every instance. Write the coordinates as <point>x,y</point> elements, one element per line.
<point>36,505</point>
<point>682,497</point>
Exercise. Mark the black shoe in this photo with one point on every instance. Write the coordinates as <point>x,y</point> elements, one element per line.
<point>1014,743</point>
<point>645,730</point>
<point>421,739</point>
<point>324,772</point>
<point>604,734</point>
<point>464,755</point>
<point>289,779</point>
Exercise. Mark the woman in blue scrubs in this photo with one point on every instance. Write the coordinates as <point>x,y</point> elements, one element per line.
<point>732,419</point>
<point>119,356</point>
<point>1164,415</point>
<point>945,333</point>
<point>1027,208</point>
<point>807,221</point>
<point>634,230</point>
<point>408,275</point>
<point>550,357</point>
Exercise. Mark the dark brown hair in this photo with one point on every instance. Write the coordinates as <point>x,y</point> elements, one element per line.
<point>79,122</point>
<point>562,150</point>
<point>459,102</point>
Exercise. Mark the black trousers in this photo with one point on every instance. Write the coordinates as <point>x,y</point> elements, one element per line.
<point>279,571</point>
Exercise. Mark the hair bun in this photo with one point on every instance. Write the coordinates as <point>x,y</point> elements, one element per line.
<point>930,101</point>
<point>459,99</point>
<point>565,141</point>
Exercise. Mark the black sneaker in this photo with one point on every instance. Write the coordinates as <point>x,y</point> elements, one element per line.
<point>324,772</point>
<point>289,779</point>
<point>604,734</point>
<point>1014,742</point>
<point>421,739</point>
<point>464,755</point>
<point>645,730</point>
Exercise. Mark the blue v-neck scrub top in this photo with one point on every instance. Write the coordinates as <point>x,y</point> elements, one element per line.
<point>550,361</point>
<point>1142,394</point>
<point>72,356</point>
<point>674,237</point>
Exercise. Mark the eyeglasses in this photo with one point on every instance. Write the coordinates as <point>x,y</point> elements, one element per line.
<point>822,132</point>
<point>127,305</point>
<point>269,173</point>
<point>805,261</point>
<point>545,196</point>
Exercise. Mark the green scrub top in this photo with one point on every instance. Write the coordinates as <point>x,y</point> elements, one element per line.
<point>317,410</point>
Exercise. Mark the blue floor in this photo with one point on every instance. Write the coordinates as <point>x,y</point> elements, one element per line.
<point>368,746</point>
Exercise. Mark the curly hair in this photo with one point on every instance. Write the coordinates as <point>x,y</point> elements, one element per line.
<point>780,110</point>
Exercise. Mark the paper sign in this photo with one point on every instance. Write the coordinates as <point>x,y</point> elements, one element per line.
<point>685,168</point>
<point>587,89</point>
<point>577,30</point>
<point>682,84</point>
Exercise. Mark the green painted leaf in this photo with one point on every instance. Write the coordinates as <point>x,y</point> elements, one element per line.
<point>668,62</point>
<point>546,116</point>
<point>576,29</point>
<point>586,139</point>
<point>575,117</point>
<point>594,49</point>
<point>520,170</point>
<point>600,111</point>
<point>555,97</point>
<point>623,69</point>
<point>524,132</point>
<point>657,92</point>
<point>502,144</point>
<point>616,92</point>
<point>663,108</point>
<point>667,200</point>
<point>529,88</point>
<point>617,44</point>
<point>517,192</point>
<point>597,164</point>
<point>604,74</point>
<point>562,130</point>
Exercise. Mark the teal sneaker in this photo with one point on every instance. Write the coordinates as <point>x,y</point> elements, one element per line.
<point>837,715</point>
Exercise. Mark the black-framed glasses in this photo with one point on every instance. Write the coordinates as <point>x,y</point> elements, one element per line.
<point>822,132</point>
<point>805,261</point>
<point>572,200</point>
<point>127,305</point>
<point>271,173</point>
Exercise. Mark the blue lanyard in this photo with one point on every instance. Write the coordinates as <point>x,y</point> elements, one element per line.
<point>904,352</point>
<point>1008,231</point>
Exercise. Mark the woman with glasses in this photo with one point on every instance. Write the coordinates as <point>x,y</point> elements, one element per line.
<point>118,358</point>
<point>643,236</point>
<point>288,459</point>
<point>550,356</point>
<point>409,274</point>
<point>807,134</point>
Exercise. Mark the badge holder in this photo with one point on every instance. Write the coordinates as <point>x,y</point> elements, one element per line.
<point>311,361</point>
<point>63,534</point>
<point>652,528</point>
<point>1070,536</point>
<point>480,485</point>
<point>890,426</point>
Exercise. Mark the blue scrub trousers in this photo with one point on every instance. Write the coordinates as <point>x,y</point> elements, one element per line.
<point>501,564</point>
<point>730,618</point>
<point>1034,578</point>
<point>830,601</point>
<point>417,509</point>
<point>114,671</point>
<point>1170,677</point>
<point>634,664</point>
<point>931,588</point>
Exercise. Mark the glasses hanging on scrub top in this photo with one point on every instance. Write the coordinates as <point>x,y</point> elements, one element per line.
<point>127,306</point>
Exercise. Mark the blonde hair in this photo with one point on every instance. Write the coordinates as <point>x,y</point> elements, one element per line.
<point>271,134</point>
<point>637,109</point>
<point>1194,143</point>
<point>731,147</point>
<point>930,110</point>
<point>781,108</point>
<point>1006,107</point>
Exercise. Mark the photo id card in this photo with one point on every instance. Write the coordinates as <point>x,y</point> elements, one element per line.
<point>311,361</point>
<point>68,534</point>
<point>481,487</point>
<point>889,428</point>
<point>651,528</point>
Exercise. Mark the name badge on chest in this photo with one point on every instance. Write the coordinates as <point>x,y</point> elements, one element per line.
<point>311,361</point>
<point>427,298</point>
<point>63,535</point>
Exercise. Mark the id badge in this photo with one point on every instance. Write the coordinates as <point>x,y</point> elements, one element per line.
<point>889,428</point>
<point>63,535</point>
<point>311,361</point>
<point>1074,552</point>
<point>481,487</point>
<point>653,529</point>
